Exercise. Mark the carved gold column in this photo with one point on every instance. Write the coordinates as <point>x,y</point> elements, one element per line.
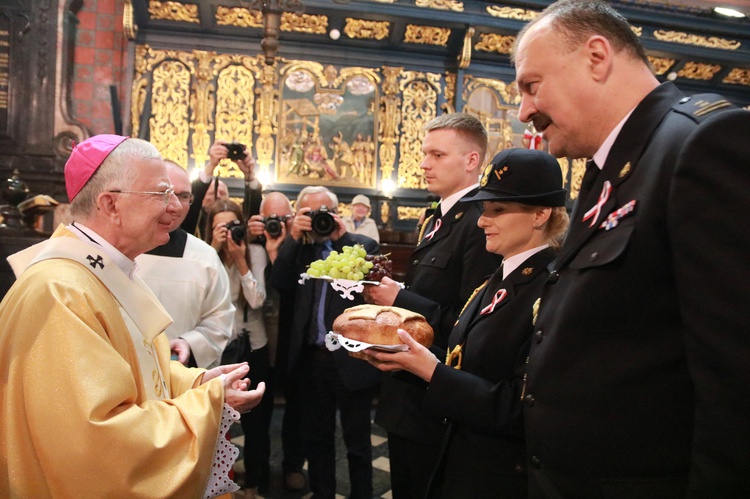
<point>390,117</point>
<point>266,122</point>
<point>203,104</point>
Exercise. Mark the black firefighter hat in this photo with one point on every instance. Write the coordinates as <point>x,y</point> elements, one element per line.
<point>526,176</point>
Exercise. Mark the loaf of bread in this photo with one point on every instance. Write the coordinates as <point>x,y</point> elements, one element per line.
<point>377,325</point>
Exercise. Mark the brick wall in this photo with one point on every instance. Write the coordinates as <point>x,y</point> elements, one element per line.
<point>99,61</point>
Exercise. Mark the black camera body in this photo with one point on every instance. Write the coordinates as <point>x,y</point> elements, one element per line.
<point>273,225</point>
<point>323,222</point>
<point>235,150</point>
<point>237,230</point>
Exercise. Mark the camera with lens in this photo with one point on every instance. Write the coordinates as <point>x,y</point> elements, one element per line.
<point>235,150</point>
<point>273,225</point>
<point>237,230</point>
<point>323,222</point>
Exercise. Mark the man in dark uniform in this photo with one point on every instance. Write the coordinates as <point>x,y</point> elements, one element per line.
<point>449,262</point>
<point>638,374</point>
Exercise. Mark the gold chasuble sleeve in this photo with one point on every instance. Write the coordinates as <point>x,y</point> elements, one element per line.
<point>75,418</point>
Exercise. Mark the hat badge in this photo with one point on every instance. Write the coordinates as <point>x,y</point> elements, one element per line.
<point>486,175</point>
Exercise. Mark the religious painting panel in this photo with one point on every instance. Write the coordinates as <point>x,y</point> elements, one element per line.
<point>327,126</point>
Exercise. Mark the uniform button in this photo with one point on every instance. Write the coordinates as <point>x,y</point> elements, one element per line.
<point>538,336</point>
<point>433,259</point>
<point>535,462</point>
<point>684,100</point>
<point>415,262</point>
<point>518,468</point>
<point>529,400</point>
<point>553,277</point>
<point>594,256</point>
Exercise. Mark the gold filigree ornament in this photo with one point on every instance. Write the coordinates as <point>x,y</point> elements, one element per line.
<point>426,35</point>
<point>129,28</point>
<point>712,42</point>
<point>512,13</point>
<point>492,42</point>
<point>698,71</point>
<point>660,64</point>
<point>239,16</point>
<point>304,23</point>
<point>173,11</point>
<point>368,30</point>
<point>738,76</point>
<point>441,5</point>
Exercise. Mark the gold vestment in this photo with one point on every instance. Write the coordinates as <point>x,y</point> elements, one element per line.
<point>76,419</point>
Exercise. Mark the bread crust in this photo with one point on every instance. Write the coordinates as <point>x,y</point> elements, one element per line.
<point>377,325</point>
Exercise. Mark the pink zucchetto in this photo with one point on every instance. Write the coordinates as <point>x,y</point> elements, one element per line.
<point>86,158</point>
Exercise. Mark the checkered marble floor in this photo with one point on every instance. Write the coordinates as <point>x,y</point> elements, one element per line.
<point>276,490</point>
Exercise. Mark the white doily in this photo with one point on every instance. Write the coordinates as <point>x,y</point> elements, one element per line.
<point>225,454</point>
<point>335,341</point>
<point>345,287</point>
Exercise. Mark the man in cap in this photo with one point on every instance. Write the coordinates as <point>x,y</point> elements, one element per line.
<point>638,373</point>
<point>359,222</point>
<point>126,420</point>
<point>448,264</point>
<point>188,278</point>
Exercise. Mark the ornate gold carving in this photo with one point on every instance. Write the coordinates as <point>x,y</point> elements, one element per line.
<point>385,211</point>
<point>266,122</point>
<point>713,42</point>
<point>738,76</point>
<point>638,30</point>
<point>464,59</point>
<point>697,71</point>
<point>449,92</point>
<point>512,13</point>
<point>371,30</point>
<point>492,42</point>
<point>235,101</point>
<point>578,168</point>
<point>409,212</point>
<point>508,92</point>
<point>426,35</point>
<point>304,23</point>
<point>239,16</point>
<point>173,11</point>
<point>419,93</point>
<point>390,116</point>
<point>129,28</point>
<point>441,5</point>
<point>660,64</point>
<point>170,97</point>
<point>202,103</point>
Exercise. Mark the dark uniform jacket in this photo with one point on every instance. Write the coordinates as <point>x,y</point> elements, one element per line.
<point>639,373</point>
<point>484,454</point>
<point>443,272</point>
<point>292,260</point>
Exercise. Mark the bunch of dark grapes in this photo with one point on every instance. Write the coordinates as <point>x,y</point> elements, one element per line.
<point>382,266</point>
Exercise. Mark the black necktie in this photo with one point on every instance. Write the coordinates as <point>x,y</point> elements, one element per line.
<point>588,180</point>
<point>438,212</point>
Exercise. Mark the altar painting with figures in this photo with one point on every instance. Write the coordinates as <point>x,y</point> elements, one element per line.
<point>327,127</point>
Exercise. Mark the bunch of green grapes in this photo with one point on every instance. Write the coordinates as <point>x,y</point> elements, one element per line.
<point>349,264</point>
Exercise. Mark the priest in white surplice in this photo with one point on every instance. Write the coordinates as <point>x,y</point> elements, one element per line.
<point>188,278</point>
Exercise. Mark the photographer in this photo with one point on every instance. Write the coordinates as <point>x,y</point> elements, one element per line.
<point>330,380</point>
<point>207,185</point>
<point>246,264</point>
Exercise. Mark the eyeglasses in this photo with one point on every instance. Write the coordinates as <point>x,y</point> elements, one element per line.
<point>185,197</point>
<point>166,194</point>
